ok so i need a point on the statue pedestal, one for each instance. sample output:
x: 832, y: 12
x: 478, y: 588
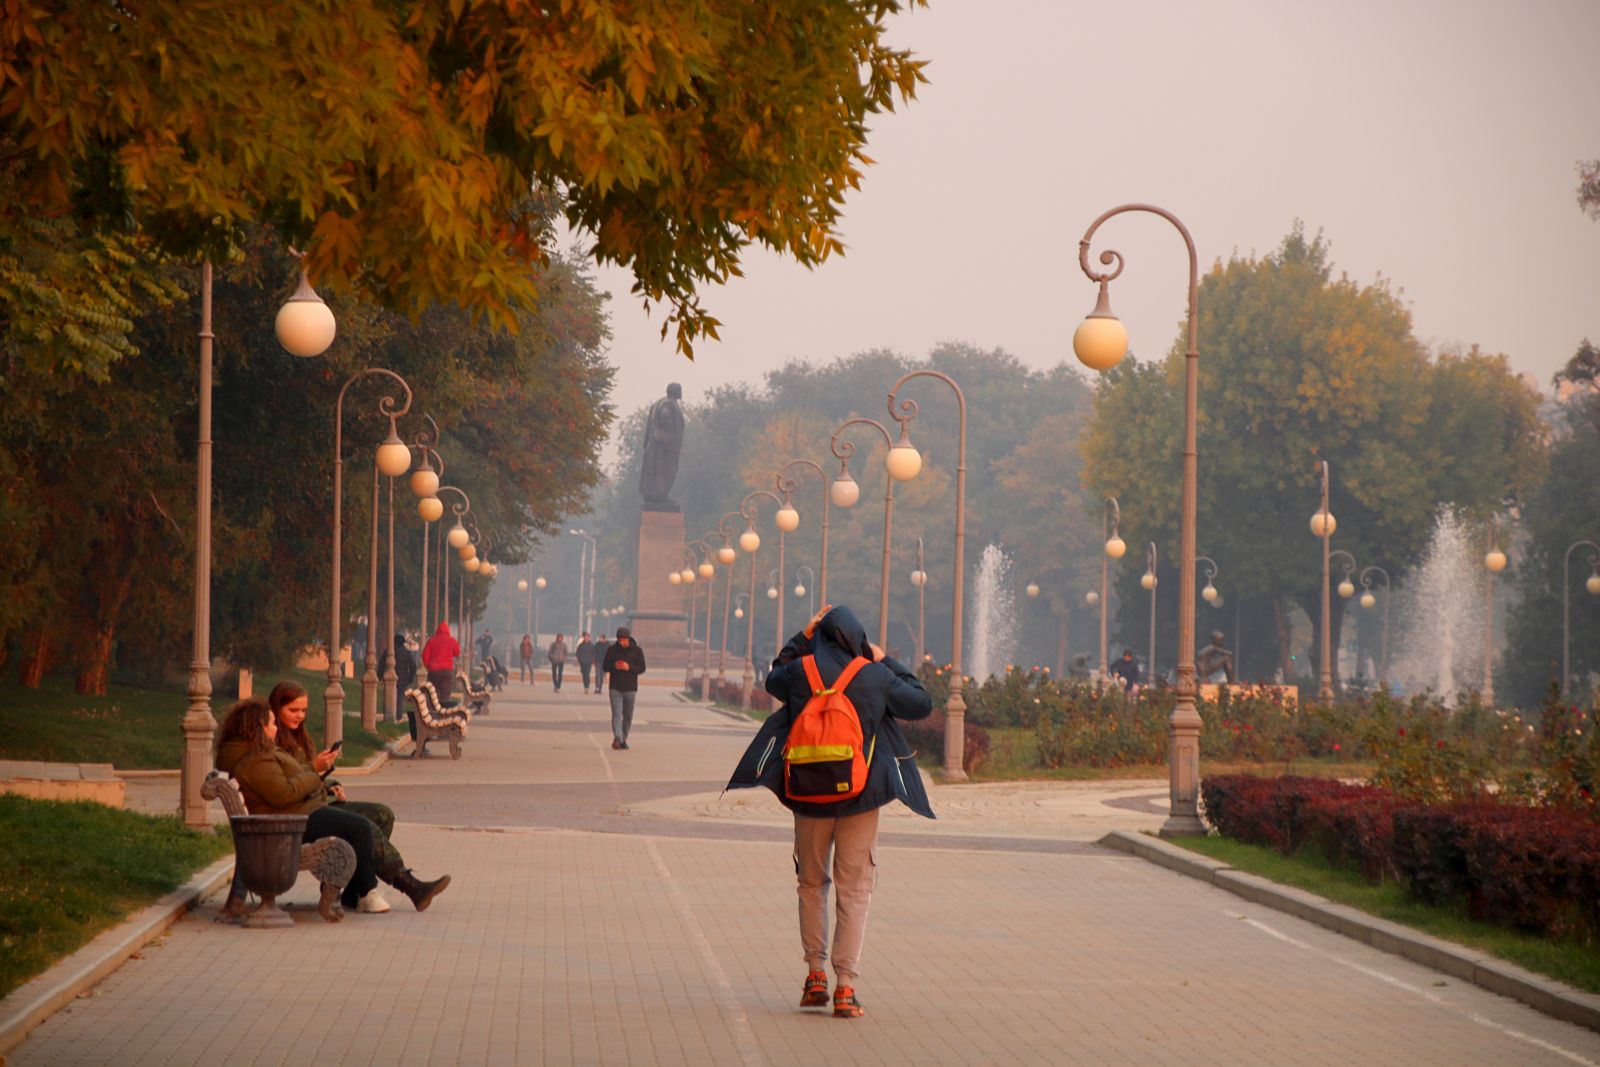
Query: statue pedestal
x: 660, y: 618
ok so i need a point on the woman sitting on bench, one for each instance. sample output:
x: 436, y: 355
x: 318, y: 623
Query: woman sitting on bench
x: 281, y: 783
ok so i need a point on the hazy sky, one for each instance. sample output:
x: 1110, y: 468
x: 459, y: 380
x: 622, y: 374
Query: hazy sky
x: 1432, y: 141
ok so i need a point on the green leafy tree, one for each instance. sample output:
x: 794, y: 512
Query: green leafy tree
x: 1298, y: 366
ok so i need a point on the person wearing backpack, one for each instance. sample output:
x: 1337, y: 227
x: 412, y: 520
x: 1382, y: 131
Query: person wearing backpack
x: 834, y: 755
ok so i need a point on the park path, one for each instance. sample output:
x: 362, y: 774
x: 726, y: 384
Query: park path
x: 609, y: 908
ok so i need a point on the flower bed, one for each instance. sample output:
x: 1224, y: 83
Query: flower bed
x: 1535, y: 869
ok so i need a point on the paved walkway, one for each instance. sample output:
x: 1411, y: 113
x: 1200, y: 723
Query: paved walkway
x: 609, y: 908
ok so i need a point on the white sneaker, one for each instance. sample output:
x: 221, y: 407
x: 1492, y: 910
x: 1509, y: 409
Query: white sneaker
x: 373, y: 903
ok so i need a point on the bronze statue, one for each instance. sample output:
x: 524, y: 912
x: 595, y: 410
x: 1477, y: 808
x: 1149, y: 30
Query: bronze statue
x: 1214, y: 660
x: 663, y: 442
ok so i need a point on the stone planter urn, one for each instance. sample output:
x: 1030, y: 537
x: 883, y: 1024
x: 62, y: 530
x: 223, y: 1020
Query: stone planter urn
x: 267, y: 851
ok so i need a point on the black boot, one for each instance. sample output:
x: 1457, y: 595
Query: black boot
x: 420, y: 892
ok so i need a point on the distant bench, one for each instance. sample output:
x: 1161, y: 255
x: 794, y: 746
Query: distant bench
x: 432, y: 721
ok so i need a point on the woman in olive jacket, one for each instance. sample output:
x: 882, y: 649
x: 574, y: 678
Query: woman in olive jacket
x: 882, y: 691
x: 274, y: 783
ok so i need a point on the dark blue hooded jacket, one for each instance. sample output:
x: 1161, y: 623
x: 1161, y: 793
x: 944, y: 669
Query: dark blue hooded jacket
x: 881, y: 692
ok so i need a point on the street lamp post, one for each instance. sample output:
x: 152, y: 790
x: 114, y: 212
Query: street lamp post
x: 1149, y: 581
x: 845, y: 492
x: 369, y: 677
x: 1100, y: 343
x: 1368, y: 600
x: 586, y: 598
x: 1592, y: 584
x: 393, y: 459
x: 786, y: 519
x: 1494, y: 561
x: 688, y: 576
x: 726, y: 556
x: 1346, y: 589
x: 708, y: 571
x: 789, y: 485
x: 1111, y: 519
x: 750, y: 542
x: 801, y: 589
x: 1322, y: 526
x: 904, y: 462
x: 919, y: 578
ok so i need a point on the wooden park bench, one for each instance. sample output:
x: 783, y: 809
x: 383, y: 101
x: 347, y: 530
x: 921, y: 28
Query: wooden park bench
x: 330, y: 859
x: 431, y: 721
x: 474, y: 697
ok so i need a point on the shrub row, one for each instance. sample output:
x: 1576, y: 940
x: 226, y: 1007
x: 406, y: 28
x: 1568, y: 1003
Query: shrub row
x: 926, y: 737
x: 1535, y: 869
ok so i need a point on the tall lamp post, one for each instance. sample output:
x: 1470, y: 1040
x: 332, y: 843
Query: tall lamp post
x: 1494, y: 561
x: 1592, y: 584
x: 305, y: 327
x: 1149, y: 581
x: 750, y: 542
x: 707, y: 570
x: 424, y: 485
x: 1346, y: 587
x: 726, y: 555
x: 586, y: 598
x: 904, y: 462
x: 789, y: 485
x: 687, y: 576
x: 845, y: 491
x: 1111, y: 519
x: 787, y: 520
x: 393, y: 459
x: 1100, y: 343
x: 919, y: 579
x: 801, y: 589
x: 1369, y: 600
x: 459, y: 539
x: 1322, y: 526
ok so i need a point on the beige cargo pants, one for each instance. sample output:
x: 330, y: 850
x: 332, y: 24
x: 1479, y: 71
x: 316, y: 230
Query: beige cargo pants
x: 853, y: 842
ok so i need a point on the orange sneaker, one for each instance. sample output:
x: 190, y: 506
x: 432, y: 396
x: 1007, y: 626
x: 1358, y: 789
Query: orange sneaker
x: 845, y: 1004
x: 816, y: 991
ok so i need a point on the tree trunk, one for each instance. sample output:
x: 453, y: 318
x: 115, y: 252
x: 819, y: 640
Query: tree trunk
x: 36, y: 652
x: 1280, y: 625
x: 94, y: 670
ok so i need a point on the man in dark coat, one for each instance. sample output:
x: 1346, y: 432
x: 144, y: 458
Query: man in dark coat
x: 585, y: 654
x: 882, y: 691
x: 623, y: 663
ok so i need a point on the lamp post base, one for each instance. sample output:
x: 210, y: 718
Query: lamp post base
x: 1184, y: 768
x: 1183, y: 825
x: 746, y: 684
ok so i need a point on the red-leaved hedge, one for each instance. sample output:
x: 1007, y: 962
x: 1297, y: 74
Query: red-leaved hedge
x: 1533, y: 869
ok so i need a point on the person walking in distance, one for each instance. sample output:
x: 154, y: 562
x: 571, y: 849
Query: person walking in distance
x: 439, y: 659
x: 623, y: 663
x: 834, y: 755
x: 601, y: 645
x: 526, y: 651
x: 585, y: 654
x: 558, y: 660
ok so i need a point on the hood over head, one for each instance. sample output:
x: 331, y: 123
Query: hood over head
x: 444, y: 628
x: 841, y: 629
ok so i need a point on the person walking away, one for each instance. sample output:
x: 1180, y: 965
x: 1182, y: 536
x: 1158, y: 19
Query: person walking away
x: 585, y: 654
x: 798, y: 754
x: 405, y: 665
x: 558, y: 660
x: 439, y: 659
x: 485, y: 643
x: 1127, y: 670
x: 623, y: 663
x: 526, y: 650
x: 600, y: 648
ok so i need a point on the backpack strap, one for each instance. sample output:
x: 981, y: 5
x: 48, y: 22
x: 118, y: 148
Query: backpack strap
x: 847, y: 675
x: 813, y: 678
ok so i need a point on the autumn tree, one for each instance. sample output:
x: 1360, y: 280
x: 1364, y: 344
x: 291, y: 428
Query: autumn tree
x: 404, y: 145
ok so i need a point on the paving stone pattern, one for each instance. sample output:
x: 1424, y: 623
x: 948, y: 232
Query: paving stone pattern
x: 608, y: 909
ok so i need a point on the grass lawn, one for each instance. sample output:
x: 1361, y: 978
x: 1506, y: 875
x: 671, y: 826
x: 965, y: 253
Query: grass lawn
x: 1575, y: 964
x: 1014, y: 756
x: 55, y: 899
x: 137, y: 727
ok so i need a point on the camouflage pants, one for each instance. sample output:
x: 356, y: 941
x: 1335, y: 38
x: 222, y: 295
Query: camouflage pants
x: 390, y: 864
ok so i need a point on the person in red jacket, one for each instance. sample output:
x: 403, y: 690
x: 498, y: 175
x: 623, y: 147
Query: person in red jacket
x: 439, y: 657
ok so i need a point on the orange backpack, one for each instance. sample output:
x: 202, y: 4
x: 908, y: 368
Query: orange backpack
x: 823, y: 762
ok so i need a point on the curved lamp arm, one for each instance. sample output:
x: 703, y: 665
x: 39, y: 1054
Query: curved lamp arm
x: 1366, y: 577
